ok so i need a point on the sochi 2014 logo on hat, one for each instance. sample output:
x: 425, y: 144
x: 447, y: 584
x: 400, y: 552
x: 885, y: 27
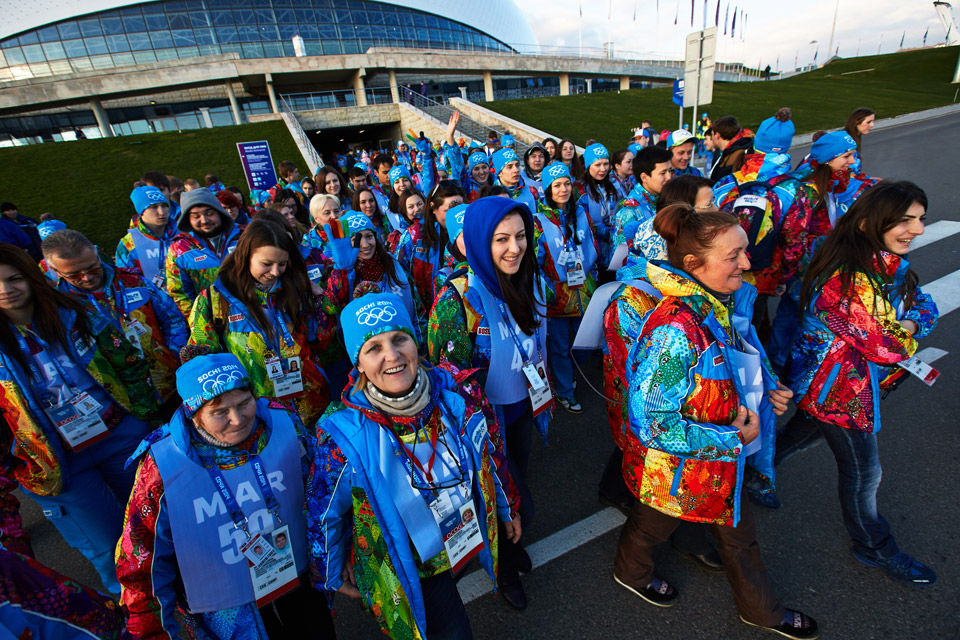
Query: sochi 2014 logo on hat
x: 226, y: 375
x: 155, y: 194
x: 459, y: 216
x: 356, y: 222
x: 556, y: 170
x: 373, y: 315
x: 396, y: 173
x: 509, y: 155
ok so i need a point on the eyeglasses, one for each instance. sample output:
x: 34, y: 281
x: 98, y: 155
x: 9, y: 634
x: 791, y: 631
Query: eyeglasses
x: 80, y: 275
x: 445, y: 185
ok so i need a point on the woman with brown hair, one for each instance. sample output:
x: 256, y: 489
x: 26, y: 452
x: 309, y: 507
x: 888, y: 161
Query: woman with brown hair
x: 262, y: 309
x: 330, y: 181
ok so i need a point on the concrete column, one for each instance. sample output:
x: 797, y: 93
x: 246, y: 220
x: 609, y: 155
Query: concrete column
x: 564, y: 84
x: 205, y: 117
x: 463, y: 92
x: 234, y: 105
x: 394, y: 91
x: 359, y: 88
x: 488, y: 86
x: 589, y: 85
x: 102, y: 120
x: 624, y: 83
x: 272, y: 94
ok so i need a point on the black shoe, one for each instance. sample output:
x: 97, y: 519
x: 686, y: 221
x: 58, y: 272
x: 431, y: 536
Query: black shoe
x: 522, y: 559
x: 709, y: 561
x: 665, y: 596
x: 800, y: 626
x: 622, y: 504
x: 514, y: 595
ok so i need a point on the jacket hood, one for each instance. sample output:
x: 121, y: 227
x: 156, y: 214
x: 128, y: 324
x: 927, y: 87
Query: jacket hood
x: 190, y: 199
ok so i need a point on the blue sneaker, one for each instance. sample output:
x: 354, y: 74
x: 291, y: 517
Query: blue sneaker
x: 901, y: 567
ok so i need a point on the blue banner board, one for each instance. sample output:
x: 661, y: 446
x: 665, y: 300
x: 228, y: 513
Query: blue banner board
x: 257, y: 164
x: 678, y: 92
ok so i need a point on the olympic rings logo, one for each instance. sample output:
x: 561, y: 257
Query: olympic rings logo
x: 459, y: 217
x: 154, y: 194
x: 356, y: 222
x: 376, y: 315
x: 556, y: 171
x: 509, y: 155
x: 478, y: 158
x: 221, y: 381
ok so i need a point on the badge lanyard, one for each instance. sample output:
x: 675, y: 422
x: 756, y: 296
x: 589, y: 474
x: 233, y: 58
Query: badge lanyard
x: 36, y: 379
x: 279, y: 325
x: 212, y: 248
x: 236, y: 513
x: 505, y: 316
x: 413, y: 465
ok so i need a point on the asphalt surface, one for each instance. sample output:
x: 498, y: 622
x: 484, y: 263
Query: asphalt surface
x: 804, y: 543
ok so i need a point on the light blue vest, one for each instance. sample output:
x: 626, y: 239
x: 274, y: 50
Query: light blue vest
x: 152, y: 254
x: 556, y: 243
x: 207, y: 544
x: 506, y: 383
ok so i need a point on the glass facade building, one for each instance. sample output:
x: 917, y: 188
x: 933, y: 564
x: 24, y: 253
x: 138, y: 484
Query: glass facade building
x: 183, y: 29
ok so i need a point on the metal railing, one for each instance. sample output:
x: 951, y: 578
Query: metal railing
x: 300, y: 136
x: 336, y: 99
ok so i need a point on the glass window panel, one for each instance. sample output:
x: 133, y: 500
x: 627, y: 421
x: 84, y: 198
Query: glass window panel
x: 211, y: 50
x: 420, y: 20
x: 179, y: 20
x: 69, y: 30
x: 265, y: 16
x: 15, y: 56
x: 117, y: 44
x: 96, y: 46
x: 155, y: 22
x: 199, y: 19
x: 329, y: 32
x: 391, y: 18
x: 435, y: 35
x: 188, y: 52
x: 331, y: 47
x: 74, y: 48
x: 9, y: 43
x: 101, y: 62
x: 375, y: 16
x: 90, y: 27
x: 351, y: 46
x: 194, y: 5
x: 226, y: 34
x: 244, y: 17
x: 325, y: 16
x: 360, y: 17
x: 143, y: 57
x: 33, y: 53
x: 123, y: 59
x: 139, y: 41
x: 230, y: 48
x: 247, y: 34
x: 448, y: 36
x: 285, y: 15
x: 40, y: 70
x: 48, y: 34
x: 432, y: 22
x: 111, y: 25
x: 204, y: 36
x: 130, y: 11
x: 273, y: 49
x: 175, y: 5
x: 304, y: 15
x: 252, y: 50
x: 261, y: 3
x: 287, y: 31
x: 268, y: 32
x: 161, y: 39
x: 406, y: 18
x: 222, y: 18
x: 81, y: 64
x: 133, y: 24
x: 363, y: 31
x: 59, y: 67
x: 183, y: 38
x: 166, y: 54
x: 379, y: 32
x: 29, y: 38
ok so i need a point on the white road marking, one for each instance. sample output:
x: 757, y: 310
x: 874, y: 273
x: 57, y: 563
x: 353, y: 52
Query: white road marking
x: 553, y: 546
x: 936, y: 231
x: 945, y: 292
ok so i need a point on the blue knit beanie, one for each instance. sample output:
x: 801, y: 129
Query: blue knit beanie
x: 593, y: 153
x: 477, y: 157
x: 398, y: 171
x: 553, y: 171
x: 507, y: 140
x: 832, y: 145
x: 775, y: 135
x: 454, y: 222
x: 370, y: 315
x: 479, y: 222
x: 144, y: 197
x: 48, y: 227
x: 501, y: 157
x: 634, y: 148
x: 207, y: 376
x: 357, y: 221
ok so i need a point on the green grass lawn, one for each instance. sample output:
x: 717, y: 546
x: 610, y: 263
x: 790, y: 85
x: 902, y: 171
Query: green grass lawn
x: 891, y: 85
x: 87, y: 183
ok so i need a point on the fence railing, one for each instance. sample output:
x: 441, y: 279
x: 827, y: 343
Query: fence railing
x: 300, y: 136
x: 336, y: 99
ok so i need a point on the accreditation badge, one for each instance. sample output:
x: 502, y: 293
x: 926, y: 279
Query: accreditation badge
x: 538, y: 389
x: 460, y: 528
x: 273, y: 570
x: 290, y: 382
x: 78, y: 421
x: 917, y: 367
x: 576, y: 275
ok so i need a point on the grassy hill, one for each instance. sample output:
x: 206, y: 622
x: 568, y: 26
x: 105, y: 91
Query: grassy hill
x: 890, y: 84
x: 87, y: 183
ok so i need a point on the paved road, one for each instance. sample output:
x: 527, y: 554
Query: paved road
x: 804, y: 543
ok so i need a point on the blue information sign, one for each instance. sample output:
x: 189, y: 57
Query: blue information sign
x: 257, y: 164
x: 678, y: 92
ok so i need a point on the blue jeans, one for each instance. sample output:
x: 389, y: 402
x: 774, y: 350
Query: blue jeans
x: 89, y: 511
x: 858, y: 475
x: 560, y: 335
x: 446, y: 616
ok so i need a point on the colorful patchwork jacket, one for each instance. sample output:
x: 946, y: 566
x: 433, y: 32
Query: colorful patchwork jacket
x: 422, y: 264
x: 129, y: 254
x: 146, y: 558
x: 38, y: 455
x: 849, y: 346
x: 352, y: 516
x: 220, y: 321
x: 638, y: 206
x: 563, y: 301
x: 147, y: 315
x: 193, y: 264
x: 684, y: 392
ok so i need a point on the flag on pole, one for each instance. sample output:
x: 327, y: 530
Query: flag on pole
x: 726, y: 19
x: 925, y: 34
x: 902, y: 38
x: 716, y: 19
x: 733, y: 26
x: 778, y: 61
x: 741, y: 24
x: 816, y: 53
x: 692, y: 5
x: 705, y: 13
x: 676, y: 16
x: 837, y: 52
x: 581, y: 8
x: 609, y: 9
x: 743, y: 27
x: 796, y: 59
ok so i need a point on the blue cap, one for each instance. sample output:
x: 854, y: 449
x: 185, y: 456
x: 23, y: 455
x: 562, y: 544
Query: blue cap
x: 679, y: 137
x: 553, y: 171
x: 144, y: 197
x: 477, y: 157
x: 593, y: 153
x: 634, y: 148
x: 207, y: 376
x: 48, y: 227
x: 370, y: 315
x: 501, y: 157
x: 454, y: 222
x: 398, y: 171
x: 832, y: 145
x: 506, y: 140
x: 358, y: 221
x: 774, y: 136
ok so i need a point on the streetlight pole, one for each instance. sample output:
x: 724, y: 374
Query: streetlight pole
x: 833, y: 29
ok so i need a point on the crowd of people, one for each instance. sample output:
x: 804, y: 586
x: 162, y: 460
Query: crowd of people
x: 332, y: 387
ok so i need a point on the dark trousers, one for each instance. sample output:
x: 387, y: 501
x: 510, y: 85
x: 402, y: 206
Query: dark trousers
x: 302, y: 613
x: 690, y: 537
x: 646, y: 528
x: 858, y: 478
x: 446, y: 616
x: 519, y: 441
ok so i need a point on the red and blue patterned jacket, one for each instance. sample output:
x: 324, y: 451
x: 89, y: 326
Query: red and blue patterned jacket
x: 849, y: 346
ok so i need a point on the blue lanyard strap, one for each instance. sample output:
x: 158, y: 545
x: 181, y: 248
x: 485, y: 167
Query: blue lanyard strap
x: 36, y: 379
x: 407, y: 457
x: 505, y: 316
x: 236, y: 513
x: 279, y: 325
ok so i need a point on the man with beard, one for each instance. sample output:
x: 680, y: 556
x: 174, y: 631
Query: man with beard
x: 207, y: 235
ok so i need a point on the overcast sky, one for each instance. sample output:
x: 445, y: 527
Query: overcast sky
x: 773, y: 27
